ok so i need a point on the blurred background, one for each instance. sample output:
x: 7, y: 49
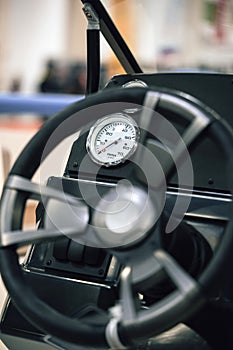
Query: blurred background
x: 43, y: 43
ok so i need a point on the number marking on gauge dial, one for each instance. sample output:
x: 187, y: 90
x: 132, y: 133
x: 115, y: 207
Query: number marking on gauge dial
x: 109, y: 145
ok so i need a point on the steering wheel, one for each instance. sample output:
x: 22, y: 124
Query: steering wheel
x: 142, y: 257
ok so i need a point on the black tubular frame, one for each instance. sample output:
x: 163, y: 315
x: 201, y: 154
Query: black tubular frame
x: 93, y: 61
x: 113, y: 38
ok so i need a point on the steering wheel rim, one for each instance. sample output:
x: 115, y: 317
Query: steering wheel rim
x: 114, y: 332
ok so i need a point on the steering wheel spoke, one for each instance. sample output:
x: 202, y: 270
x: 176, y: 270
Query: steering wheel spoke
x: 195, y: 129
x: 17, y: 191
x: 179, y: 277
x: 126, y: 295
x: 21, y: 237
x: 37, y: 191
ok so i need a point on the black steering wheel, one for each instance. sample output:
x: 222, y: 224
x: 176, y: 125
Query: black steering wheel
x: 142, y: 256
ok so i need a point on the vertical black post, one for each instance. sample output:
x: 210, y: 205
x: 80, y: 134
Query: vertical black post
x: 93, y: 61
x: 93, y: 49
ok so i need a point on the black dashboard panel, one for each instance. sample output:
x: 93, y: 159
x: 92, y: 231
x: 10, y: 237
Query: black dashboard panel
x: 215, y: 91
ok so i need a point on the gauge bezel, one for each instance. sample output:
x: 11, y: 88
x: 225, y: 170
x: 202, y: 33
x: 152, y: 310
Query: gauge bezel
x: 98, y: 126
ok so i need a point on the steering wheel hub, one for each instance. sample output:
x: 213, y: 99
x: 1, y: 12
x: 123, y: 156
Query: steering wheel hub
x: 124, y: 216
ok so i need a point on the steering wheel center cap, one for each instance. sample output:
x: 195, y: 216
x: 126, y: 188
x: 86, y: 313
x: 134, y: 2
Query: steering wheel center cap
x: 123, y: 216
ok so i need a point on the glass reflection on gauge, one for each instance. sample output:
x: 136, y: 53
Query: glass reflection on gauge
x: 112, y: 139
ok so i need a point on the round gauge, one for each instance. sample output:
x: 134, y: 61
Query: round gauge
x: 112, y: 139
x: 135, y: 83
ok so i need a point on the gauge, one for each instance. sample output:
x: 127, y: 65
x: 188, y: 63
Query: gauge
x: 135, y: 83
x: 112, y: 139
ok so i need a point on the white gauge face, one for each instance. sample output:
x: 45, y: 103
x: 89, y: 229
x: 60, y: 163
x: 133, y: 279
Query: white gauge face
x: 112, y: 139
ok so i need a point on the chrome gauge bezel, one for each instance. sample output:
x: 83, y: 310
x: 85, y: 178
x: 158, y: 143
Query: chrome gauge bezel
x: 102, y: 123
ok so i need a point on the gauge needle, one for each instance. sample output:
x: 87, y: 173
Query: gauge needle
x: 112, y: 143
